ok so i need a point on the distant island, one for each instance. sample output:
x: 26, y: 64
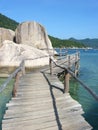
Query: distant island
x: 56, y: 42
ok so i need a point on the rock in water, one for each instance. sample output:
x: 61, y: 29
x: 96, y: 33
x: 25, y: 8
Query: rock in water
x: 6, y: 34
x: 33, y: 34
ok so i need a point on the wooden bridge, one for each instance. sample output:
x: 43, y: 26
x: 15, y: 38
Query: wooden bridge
x: 42, y: 102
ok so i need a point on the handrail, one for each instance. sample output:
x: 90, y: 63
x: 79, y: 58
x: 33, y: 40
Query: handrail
x: 20, y: 68
x: 3, y: 86
x: 54, y: 50
x: 73, y: 75
x: 36, y: 58
x: 68, y: 58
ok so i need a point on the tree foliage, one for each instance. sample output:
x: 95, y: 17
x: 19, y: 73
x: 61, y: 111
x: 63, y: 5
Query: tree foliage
x: 90, y: 42
x: 56, y: 42
x: 8, y: 23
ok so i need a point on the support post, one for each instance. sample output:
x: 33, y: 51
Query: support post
x: 66, y: 82
x: 51, y: 65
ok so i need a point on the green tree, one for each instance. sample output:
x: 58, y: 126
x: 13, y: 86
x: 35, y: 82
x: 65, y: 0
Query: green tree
x: 56, y: 42
x: 8, y: 23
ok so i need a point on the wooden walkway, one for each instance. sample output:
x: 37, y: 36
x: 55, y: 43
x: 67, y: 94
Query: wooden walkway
x: 40, y: 104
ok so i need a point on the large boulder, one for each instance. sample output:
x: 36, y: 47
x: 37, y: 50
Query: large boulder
x: 33, y: 34
x: 30, y: 41
x: 12, y: 54
x: 6, y: 34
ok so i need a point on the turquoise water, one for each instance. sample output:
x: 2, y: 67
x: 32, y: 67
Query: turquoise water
x: 5, y: 96
x: 89, y: 75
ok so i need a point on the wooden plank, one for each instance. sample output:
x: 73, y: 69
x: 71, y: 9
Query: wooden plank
x: 29, y: 113
x: 32, y: 126
x: 42, y: 105
x: 72, y: 111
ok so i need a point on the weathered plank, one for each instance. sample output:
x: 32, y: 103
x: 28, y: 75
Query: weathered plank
x: 40, y: 104
x: 72, y: 111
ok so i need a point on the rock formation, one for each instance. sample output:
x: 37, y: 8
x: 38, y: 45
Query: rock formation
x: 30, y: 41
x: 6, y: 34
x: 33, y: 34
x: 11, y: 53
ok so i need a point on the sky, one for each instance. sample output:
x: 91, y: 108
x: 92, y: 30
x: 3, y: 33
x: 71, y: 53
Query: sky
x: 61, y: 18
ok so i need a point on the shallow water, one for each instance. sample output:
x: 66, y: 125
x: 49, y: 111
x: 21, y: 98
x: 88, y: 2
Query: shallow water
x: 5, y: 96
x: 89, y: 75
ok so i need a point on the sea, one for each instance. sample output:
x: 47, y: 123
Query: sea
x: 88, y: 73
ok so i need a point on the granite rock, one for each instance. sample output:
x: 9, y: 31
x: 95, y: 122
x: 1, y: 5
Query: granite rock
x: 12, y: 54
x: 33, y: 34
x: 6, y: 34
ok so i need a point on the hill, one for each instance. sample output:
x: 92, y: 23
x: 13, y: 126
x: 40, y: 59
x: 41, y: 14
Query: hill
x: 87, y: 42
x: 56, y: 42
x: 90, y: 42
x: 7, y: 22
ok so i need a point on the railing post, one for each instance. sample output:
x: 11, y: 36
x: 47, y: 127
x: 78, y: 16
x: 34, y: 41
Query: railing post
x: 78, y: 55
x: 51, y: 65
x: 76, y: 64
x: 23, y: 68
x: 68, y: 61
x: 16, y: 84
x: 66, y: 82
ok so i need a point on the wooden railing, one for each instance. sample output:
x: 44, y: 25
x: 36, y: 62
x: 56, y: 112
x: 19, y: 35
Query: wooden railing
x: 16, y: 74
x: 61, y: 52
x: 21, y: 71
x: 68, y: 72
x: 68, y: 61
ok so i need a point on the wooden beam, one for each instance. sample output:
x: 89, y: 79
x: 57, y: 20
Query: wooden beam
x: 66, y: 82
